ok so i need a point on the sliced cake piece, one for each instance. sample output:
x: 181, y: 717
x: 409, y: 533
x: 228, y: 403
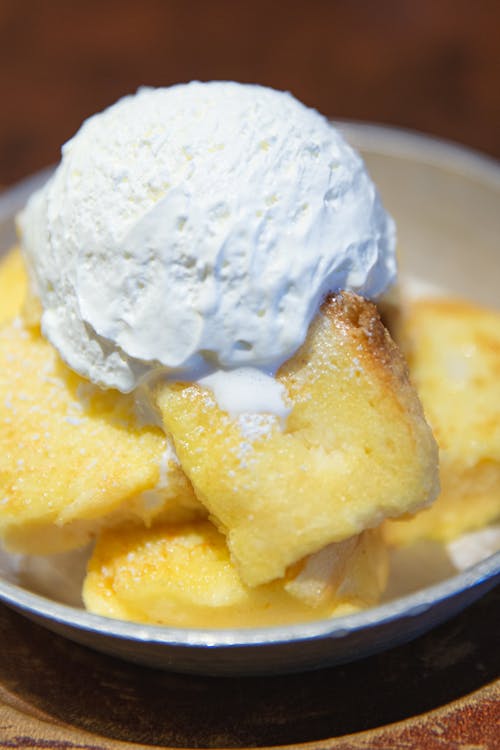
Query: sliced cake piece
x: 72, y: 457
x: 355, y: 449
x: 181, y: 575
x: 13, y: 285
x: 453, y: 350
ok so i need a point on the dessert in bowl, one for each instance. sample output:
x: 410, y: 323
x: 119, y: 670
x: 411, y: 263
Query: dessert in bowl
x: 259, y: 470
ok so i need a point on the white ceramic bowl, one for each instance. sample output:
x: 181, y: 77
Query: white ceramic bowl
x: 446, y: 203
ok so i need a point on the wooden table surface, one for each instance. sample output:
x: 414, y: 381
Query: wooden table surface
x: 430, y: 66
x: 439, y: 692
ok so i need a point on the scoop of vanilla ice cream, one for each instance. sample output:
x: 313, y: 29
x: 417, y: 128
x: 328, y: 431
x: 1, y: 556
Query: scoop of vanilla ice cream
x: 200, y: 226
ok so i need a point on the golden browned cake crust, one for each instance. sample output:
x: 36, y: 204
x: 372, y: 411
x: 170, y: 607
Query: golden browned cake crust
x: 359, y: 320
x: 355, y: 448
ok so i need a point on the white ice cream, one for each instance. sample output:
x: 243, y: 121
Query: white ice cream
x: 199, y: 227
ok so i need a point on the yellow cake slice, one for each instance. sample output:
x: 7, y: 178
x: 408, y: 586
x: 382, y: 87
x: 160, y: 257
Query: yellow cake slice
x: 355, y: 449
x: 453, y: 350
x: 72, y: 457
x: 181, y: 575
x: 13, y: 285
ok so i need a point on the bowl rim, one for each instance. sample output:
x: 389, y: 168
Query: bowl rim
x: 410, y: 605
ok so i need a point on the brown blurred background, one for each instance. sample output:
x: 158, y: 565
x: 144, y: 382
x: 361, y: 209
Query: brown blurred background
x: 421, y: 64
